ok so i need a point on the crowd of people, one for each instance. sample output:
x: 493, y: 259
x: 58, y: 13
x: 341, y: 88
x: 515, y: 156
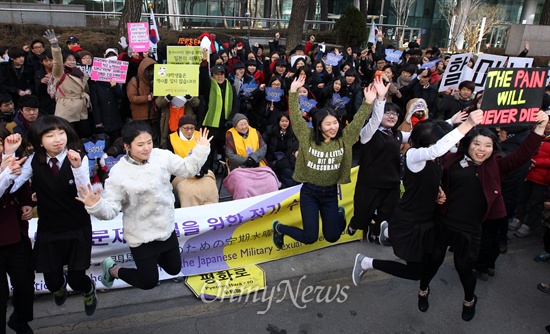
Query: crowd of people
x: 275, y: 117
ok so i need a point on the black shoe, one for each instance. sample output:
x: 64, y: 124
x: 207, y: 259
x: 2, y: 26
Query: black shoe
x: 278, y: 237
x: 19, y: 327
x: 351, y: 230
x: 90, y: 300
x: 423, y: 304
x: 491, y: 272
x: 60, y: 296
x: 468, y: 312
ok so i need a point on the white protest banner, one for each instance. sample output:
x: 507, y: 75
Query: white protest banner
x: 138, y: 36
x: 453, y: 72
x: 483, y: 64
x: 519, y: 62
x: 218, y: 236
x: 105, y: 69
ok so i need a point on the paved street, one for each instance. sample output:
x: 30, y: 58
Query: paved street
x: 508, y: 302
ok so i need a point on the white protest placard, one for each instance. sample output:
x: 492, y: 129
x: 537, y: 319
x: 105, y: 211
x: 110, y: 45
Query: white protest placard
x: 453, y: 73
x: 483, y: 64
x: 138, y: 36
x: 519, y: 62
x: 106, y: 69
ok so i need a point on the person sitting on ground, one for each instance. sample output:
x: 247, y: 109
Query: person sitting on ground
x: 200, y: 189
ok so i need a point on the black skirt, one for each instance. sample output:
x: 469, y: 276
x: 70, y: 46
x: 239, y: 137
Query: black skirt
x: 411, y: 240
x: 54, y: 250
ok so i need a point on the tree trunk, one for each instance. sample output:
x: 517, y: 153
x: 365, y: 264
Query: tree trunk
x: 545, y: 14
x: 222, y: 11
x: 279, y: 17
x: 363, y: 8
x: 311, y: 12
x: 296, y: 23
x: 324, y: 14
x: 130, y: 13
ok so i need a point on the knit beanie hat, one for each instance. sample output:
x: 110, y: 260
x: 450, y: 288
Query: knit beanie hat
x: 186, y: 119
x: 83, y: 53
x: 251, y: 62
x: 237, y: 118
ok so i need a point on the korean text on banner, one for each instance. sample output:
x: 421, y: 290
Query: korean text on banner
x: 453, y: 75
x: 104, y: 69
x: 176, y: 80
x: 184, y: 55
x: 483, y: 64
x: 138, y: 36
x: 512, y: 96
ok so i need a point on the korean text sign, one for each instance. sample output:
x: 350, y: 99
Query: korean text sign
x: 176, y: 80
x: 138, y: 36
x: 104, y: 69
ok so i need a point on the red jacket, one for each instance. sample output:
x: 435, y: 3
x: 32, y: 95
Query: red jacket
x: 492, y: 172
x: 540, y: 168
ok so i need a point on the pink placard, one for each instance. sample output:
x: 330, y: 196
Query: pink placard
x: 106, y: 69
x: 138, y: 36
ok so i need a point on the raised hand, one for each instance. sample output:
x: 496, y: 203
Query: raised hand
x: 297, y: 83
x: 122, y: 42
x: 542, y: 121
x: 203, y: 139
x: 87, y: 196
x: 381, y: 88
x: 74, y: 158
x: 459, y: 117
x: 476, y: 117
x: 370, y: 93
x: 12, y: 143
x: 50, y: 36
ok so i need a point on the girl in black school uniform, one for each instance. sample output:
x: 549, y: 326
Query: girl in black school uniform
x: 412, y: 229
x: 15, y: 245
x: 64, y: 232
x: 472, y: 179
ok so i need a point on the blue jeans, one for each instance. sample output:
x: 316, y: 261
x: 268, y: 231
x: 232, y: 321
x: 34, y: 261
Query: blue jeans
x: 315, y: 199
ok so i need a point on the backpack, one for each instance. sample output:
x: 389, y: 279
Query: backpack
x: 53, y: 87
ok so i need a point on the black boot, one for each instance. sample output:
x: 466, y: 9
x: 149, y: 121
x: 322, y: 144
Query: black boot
x: 468, y: 312
x: 423, y: 304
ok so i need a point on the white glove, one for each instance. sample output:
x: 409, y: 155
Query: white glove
x: 123, y: 42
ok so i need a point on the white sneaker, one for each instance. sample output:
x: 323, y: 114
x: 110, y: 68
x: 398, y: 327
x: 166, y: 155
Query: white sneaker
x: 384, y: 241
x: 523, y: 231
x: 514, y: 224
x: 358, y: 271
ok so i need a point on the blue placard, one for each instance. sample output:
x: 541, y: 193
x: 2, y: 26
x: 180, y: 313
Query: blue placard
x: 306, y: 104
x: 91, y: 165
x: 94, y: 150
x: 430, y: 64
x: 393, y: 56
x: 273, y: 95
x: 333, y: 59
x: 249, y: 88
x: 339, y: 102
x: 111, y: 161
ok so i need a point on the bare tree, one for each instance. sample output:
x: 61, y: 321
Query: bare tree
x: 296, y: 23
x: 130, y: 13
x: 456, y: 15
x: 545, y: 14
x: 364, y: 7
x: 324, y: 14
x: 401, y: 9
x: 311, y: 12
x: 493, y: 16
x: 278, y: 10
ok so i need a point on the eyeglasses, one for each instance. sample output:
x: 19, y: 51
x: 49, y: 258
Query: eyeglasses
x: 190, y: 128
x: 38, y: 47
x: 389, y: 113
